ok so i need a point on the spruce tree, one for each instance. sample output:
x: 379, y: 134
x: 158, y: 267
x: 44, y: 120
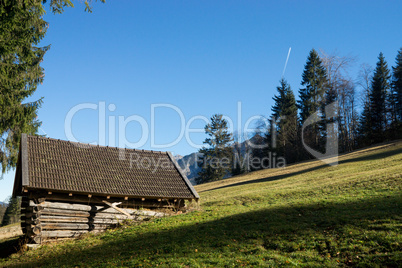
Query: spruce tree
x: 397, y: 86
x: 12, y: 213
x: 365, y: 123
x: 314, y: 80
x: 378, y: 100
x: 285, y: 114
x: 218, y: 155
x: 364, y: 120
x: 3, y: 208
x: 21, y: 29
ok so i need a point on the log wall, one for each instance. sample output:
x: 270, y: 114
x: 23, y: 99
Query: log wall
x: 50, y: 220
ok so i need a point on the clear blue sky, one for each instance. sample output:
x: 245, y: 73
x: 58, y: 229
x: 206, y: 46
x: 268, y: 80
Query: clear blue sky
x: 203, y: 57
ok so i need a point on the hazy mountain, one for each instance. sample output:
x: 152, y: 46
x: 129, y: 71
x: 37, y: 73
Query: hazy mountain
x: 189, y: 165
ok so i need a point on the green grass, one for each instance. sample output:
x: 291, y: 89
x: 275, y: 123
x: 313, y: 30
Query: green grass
x: 308, y: 214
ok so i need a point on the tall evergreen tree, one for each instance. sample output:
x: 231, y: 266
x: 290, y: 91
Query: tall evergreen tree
x: 21, y: 30
x: 397, y: 86
x: 12, y: 213
x: 217, y: 157
x: 3, y: 208
x: 315, y: 81
x: 364, y: 121
x: 285, y: 110
x: 378, y: 99
x: 314, y: 78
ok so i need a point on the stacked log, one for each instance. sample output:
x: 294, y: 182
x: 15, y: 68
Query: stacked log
x: 48, y: 220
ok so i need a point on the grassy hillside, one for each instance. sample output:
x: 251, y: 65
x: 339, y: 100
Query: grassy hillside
x: 307, y: 214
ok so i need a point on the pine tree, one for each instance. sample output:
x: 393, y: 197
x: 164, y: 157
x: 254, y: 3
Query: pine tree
x: 285, y: 110
x: 312, y: 97
x: 21, y: 29
x: 12, y: 214
x: 365, y: 122
x: 378, y: 100
x: 315, y: 81
x: 3, y: 208
x: 397, y: 87
x: 217, y: 157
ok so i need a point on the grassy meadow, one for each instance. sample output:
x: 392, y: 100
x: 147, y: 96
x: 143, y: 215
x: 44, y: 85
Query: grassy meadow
x: 307, y: 215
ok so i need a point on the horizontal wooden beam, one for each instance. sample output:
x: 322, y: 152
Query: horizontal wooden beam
x: 76, y: 220
x: 94, y: 199
x: 73, y: 226
x: 68, y: 233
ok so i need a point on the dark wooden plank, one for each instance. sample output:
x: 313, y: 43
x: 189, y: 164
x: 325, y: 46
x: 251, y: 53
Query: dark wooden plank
x: 24, y: 160
x: 65, y: 226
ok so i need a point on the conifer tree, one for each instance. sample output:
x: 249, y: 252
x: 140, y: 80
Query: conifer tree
x: 3, y: 208
x: 378, y: 99
x: 365, y: 123
x: 312, y: 97
x: 21, y: 29
x: 397, y: 87
x: 218, y: 155
x: 285, y: 114
x: 12, y: 213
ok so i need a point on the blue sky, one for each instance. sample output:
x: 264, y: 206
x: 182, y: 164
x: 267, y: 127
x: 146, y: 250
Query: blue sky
x: 202, y: 57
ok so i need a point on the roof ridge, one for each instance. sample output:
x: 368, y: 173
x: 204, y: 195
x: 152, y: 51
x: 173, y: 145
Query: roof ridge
x: 96, y: 145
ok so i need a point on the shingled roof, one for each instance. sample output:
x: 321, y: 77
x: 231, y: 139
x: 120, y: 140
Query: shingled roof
x: 64, y: 166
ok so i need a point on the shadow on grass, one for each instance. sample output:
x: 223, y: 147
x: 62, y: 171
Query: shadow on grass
x: 374, y: 156
x: 322, y: 228
x: 267, y: 179
x: 370, y: 156
x: 10, y: 246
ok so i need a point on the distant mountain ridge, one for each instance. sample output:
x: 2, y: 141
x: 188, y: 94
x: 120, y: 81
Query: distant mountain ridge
x: 189, y: 166
x: 189, y: 163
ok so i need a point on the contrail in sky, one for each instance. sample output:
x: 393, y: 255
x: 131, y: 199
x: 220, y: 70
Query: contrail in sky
x: 286, y: 63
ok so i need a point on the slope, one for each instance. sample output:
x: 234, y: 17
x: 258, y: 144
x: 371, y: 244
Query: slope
x: 308, y: 214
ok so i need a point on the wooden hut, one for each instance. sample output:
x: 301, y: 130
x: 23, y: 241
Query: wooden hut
x: 70, y: 188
